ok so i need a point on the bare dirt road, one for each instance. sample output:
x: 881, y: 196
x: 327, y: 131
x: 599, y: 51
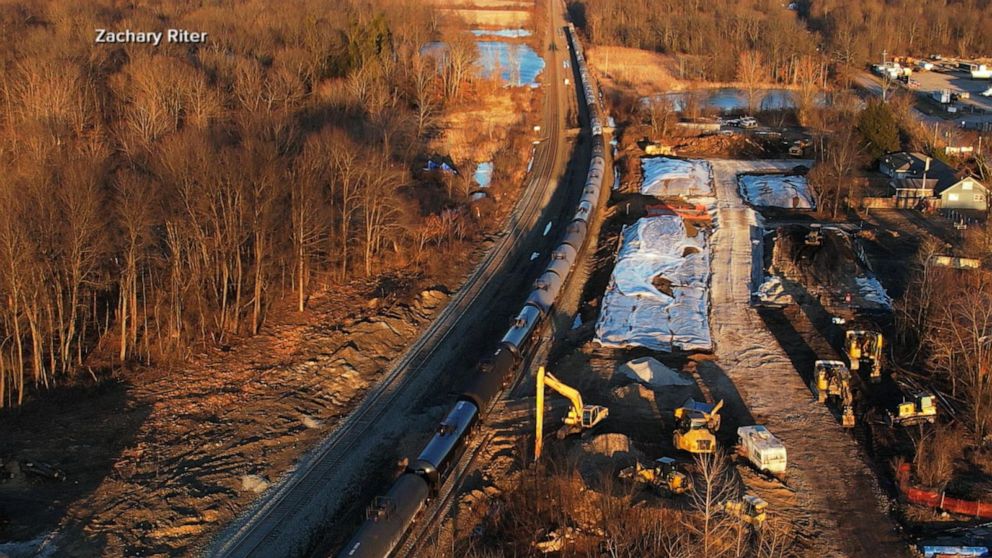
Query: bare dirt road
x: 832, y: 488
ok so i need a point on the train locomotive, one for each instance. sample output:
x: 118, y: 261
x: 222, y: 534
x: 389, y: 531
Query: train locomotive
x: 390, y: 515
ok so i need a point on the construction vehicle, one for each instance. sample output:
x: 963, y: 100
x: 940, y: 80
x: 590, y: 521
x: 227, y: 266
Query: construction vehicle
x: 663, y: 477
x: 864, y: 350
x: 695, y: 423
x: 815, y: 236
x: 832, y: 380
x: 919, y: 408
x: 580, y: 417
x: 749, y: 509
x: 766, y: 452
x: 658, y: 149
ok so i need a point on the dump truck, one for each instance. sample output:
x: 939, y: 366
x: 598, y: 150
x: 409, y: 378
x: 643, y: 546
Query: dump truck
x: 832, y: 381
x: 863, y: 349
x: 695, y: 424
x: 749, y: 509
x: 918, y: 408
x: 663, y: 477
x: 763, y: 450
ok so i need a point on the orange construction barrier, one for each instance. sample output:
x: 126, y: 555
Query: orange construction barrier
x: 933, y: 499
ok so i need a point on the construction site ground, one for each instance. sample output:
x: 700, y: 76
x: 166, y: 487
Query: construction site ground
x: 831, y: 497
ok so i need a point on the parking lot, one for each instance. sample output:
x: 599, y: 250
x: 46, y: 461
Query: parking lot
x: 956, y: 81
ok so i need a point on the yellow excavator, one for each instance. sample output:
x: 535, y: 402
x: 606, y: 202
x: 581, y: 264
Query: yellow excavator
x: 664, y: 476
x: 832, y: 380
x: 695, y: 423
x: 580, y: 417
x: 864, y: 349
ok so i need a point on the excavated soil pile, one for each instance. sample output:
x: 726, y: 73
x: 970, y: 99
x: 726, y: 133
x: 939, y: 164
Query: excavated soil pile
x: 829, y: 271
x: 601, y: 457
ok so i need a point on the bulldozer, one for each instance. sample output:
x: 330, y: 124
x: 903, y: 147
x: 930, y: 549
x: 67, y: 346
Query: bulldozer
x: 832, y: 380
x: 864, y: 350
x: 919, y: 408
x: 749, y: 509
x: 580, y: 417
x: 663, y: 477
x: 695, y: 423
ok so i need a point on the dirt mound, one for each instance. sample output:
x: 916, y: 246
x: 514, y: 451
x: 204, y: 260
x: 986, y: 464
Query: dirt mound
x: 735, y: 146
x: 601, y: 457
x: 652, y: 373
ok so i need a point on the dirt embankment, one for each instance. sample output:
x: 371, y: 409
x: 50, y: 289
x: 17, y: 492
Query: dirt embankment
x: 197, y: 445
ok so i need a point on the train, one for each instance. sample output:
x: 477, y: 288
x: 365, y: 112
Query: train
x: 390, y: 515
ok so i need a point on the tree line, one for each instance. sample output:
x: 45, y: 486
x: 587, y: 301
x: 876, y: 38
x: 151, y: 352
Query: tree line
x: 153, y: 199
x: 709, y: 38
x: 856, y: 32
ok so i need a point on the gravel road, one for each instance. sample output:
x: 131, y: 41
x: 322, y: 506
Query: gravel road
x: 830, y: 483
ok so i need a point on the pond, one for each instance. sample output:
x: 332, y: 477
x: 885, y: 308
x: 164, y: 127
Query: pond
x: 502, y: 33
x: 514, y: 64
x: 729, y: 99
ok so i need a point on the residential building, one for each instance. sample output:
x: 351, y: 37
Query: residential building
x: 918, y: 179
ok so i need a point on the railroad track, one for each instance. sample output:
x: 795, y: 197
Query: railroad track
x: 419, y: 533
x: 271, y: 526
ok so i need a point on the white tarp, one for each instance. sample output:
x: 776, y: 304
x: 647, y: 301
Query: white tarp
x: 652, y: 373
x: 664, y: 176
x: 635, y: 312
x: 871, y: 290
x: 777, y: 190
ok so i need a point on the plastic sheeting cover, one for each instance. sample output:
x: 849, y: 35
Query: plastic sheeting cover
x: 654, y: 374
x: 777, y: 190
x: 656, y: 250
x: 664, y: 176
x: 871, y: 290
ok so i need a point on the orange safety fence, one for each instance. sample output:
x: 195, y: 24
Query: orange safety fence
x: 940, y: 500
x: 689, y: 212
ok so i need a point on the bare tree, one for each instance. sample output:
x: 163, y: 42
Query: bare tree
x: 752, y: 73
x: 961, y: 347
x: 660, y: 114
x: 714, y: 486
x: 809, y: 78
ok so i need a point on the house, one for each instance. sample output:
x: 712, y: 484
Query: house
x: 967, y: 193
x: 918, y: 179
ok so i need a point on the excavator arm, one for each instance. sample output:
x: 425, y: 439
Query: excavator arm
x: 575, y: 413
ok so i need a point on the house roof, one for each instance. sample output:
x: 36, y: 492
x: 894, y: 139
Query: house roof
x: 940, y: 176
x: 914, y: 183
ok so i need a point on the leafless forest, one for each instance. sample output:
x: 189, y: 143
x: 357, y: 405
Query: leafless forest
x: 708, y: 37
x: 157, y: 199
